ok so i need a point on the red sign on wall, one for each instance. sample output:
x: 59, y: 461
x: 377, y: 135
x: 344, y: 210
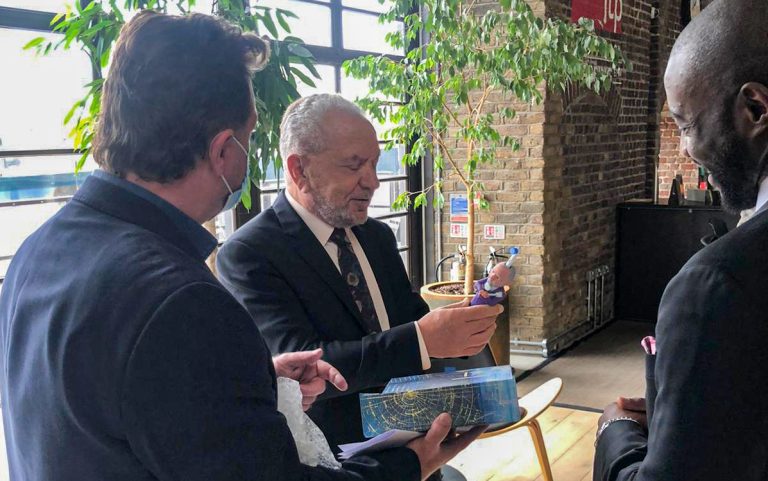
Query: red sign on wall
x: 605, y: 13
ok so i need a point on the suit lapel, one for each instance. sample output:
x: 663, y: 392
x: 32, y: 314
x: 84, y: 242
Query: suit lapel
x: 306, y: 245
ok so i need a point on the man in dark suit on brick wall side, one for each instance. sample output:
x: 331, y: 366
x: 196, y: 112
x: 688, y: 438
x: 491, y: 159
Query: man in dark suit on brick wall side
x: 711, y: 371
x: 121, y: 355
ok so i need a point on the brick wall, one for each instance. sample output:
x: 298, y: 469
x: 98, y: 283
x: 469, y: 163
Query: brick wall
x: 666, y: 154
x: 598, y: 158
x: 671, y: 162
x: 514, y: 187
x: 581, y: 155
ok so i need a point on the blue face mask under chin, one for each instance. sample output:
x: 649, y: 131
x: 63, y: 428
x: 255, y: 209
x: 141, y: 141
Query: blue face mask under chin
x: 234, y: 197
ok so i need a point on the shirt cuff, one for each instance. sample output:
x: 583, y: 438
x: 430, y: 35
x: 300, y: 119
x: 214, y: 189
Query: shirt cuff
x: 425, y: 362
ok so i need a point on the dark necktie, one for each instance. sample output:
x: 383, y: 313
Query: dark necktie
x: 352, y: 274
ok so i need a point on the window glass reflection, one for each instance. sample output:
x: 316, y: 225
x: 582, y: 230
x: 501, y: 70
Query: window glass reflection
x: 38, y: 92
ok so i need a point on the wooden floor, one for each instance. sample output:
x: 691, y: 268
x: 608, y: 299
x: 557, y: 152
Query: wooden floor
x: 568, y: 434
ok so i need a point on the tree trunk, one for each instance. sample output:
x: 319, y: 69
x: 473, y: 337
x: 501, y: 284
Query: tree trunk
x: 469, y: 268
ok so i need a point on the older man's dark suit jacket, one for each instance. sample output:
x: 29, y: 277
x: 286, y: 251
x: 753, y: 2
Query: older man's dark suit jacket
x: 124, y: 359
x: 282, y: 274
x: 709, y: 420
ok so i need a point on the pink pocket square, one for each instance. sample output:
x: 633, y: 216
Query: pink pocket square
x: 649, y: 344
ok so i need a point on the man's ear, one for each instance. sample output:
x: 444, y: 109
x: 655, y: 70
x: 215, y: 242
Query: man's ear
x: 752, y: 109
x: 216, y: 150
x: 295, y: 168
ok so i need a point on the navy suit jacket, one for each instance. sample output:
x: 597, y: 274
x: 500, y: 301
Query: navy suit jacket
x: 281, y: 273
x: 123, y: 358
x: 711, y: 372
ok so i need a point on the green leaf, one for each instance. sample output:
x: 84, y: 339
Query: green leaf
x: 280, y: 15
x: 299, y: 50
x: 71, y: 112
x: 269, y: 24
x: 104, y: 59
x: 57, y: 17
x: 309, y: 64
x: 420, y: 200
x: 302, y: 76
x: 81, y: 161
x: 33, y: 43
x: 245, y: 197
x: 439, y: 200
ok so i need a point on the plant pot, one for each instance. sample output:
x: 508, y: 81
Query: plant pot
x: 499, y: 342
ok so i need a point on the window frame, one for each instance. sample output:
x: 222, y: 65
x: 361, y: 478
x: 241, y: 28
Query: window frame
x: 33, y: 21
x: 334, y: 56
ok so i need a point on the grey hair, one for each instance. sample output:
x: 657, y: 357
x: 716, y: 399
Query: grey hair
x: 301, y: 130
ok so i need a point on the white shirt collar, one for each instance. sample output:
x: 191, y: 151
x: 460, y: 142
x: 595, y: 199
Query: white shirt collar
x: 318, y: 226
x: 762, y: 194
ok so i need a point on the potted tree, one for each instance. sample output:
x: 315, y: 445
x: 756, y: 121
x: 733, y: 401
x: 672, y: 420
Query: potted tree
x: 437, y: 96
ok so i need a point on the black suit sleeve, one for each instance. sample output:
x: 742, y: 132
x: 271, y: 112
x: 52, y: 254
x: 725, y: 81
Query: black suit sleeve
x: 285, y: 324
x: 199, y: 400
x: 707, y: 409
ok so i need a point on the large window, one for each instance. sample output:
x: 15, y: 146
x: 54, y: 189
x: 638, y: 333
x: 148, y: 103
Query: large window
x: 37, y: 162
x: 36, y: 159
x: 341, y: 30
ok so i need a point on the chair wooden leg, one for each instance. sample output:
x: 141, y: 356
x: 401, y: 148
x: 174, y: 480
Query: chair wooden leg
x: 541, y: 449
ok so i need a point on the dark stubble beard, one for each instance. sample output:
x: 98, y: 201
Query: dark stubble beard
x: 735, y: 173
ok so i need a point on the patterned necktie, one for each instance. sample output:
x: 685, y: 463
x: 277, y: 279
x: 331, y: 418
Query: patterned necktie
x: 353, y: 277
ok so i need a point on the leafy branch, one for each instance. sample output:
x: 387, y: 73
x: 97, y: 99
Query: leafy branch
x: 445, y: 85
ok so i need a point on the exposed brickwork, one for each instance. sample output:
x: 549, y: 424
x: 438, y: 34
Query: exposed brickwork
x: 666, y: 153
x: 581, y: 155
x: 671, y: 162
x: 599, y: 161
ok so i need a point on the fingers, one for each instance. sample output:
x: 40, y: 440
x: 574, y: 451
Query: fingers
x: 329, y: 373
x: 302, y: 358
x: 480, y: 312
x: 440, y: 428
x: 307, y: 402
x: 454, y: 446
x: 480, y: 325
x: 313, y: 387
x: 477, y: 341
x: 464, y: 303
x: 483, y: 334
x: 632, y: 404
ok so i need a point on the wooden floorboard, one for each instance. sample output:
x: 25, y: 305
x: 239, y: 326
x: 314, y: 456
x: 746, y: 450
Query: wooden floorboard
x: 568, y: 435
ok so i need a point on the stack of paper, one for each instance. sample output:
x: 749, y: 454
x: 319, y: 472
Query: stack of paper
x: 391, y: 439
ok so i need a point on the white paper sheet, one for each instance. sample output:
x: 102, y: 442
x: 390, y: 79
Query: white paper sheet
x: 390, y: 439
x: 310, y: 442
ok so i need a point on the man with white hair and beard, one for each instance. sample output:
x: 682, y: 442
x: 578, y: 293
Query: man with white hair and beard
x: 711, y: 367
x: 315, y: 272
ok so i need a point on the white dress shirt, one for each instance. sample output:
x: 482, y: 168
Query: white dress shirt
x: 322, y: 232
x: 762, y: 194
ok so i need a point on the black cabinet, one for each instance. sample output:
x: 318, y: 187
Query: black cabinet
x: 653, y: 242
